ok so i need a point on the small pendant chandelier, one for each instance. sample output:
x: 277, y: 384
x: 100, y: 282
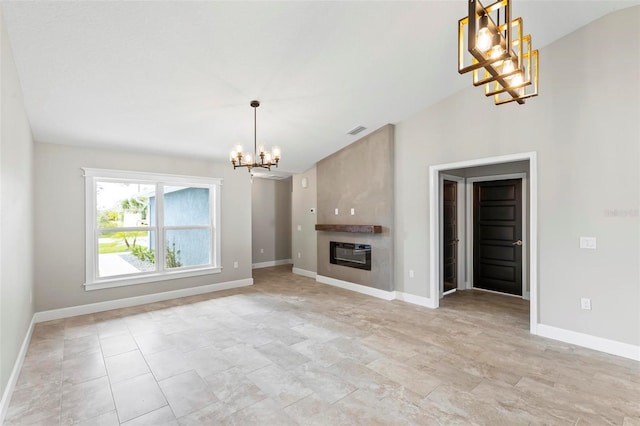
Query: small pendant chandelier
x: 260, y: 158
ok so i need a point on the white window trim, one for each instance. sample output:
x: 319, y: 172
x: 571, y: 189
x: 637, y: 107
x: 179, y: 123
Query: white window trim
x: 92, y: 281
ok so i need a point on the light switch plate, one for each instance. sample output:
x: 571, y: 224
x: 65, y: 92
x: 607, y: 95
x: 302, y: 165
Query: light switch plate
x: 588, y: 243
x: 585, y: 304
x: 336, y: 212
x: 353, y: 211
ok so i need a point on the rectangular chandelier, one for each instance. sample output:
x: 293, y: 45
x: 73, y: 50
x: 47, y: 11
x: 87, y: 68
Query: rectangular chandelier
x: 492, y: 46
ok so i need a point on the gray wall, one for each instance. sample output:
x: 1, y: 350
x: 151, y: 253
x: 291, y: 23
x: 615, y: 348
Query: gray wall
x: 270, y: 220
x: 16, y: 214
x: 359, y: 176
x: 304, y: 236
x: 60, y: 222
x: 585, y: 127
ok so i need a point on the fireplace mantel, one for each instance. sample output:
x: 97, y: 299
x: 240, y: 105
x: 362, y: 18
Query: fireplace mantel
x: 362, y: 229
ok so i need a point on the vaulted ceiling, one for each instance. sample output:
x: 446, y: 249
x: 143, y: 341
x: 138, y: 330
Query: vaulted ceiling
x: 177, y: 77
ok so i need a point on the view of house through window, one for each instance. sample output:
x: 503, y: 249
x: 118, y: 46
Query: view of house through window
x: 144, y: 228
x: 125, y: 237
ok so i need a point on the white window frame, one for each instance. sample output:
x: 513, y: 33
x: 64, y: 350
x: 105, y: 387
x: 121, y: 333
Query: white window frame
x: 92, y: 176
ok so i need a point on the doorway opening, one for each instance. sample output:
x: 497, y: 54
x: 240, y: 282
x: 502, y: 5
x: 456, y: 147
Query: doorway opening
x: 484, y: 227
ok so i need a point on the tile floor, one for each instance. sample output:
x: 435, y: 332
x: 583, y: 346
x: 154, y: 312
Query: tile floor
x: 290, y: 351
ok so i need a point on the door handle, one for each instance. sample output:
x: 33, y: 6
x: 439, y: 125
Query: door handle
x: 517, y: 243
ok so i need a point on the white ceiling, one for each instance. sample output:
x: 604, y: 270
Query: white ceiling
x: 177, y: 77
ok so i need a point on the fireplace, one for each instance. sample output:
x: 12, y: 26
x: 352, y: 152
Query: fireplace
x: 352, y: 255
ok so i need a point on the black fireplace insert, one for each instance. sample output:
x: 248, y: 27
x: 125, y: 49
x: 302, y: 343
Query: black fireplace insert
x: 352, y: 255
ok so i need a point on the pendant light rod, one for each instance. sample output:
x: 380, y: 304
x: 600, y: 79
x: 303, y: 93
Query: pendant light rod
x: 255, y: 105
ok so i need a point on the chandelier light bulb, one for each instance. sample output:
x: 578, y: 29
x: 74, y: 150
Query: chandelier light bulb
x: 267, y: 157
x: 233, y: 156
x: 507, y: 67
x: 484, y: 40
x: 261, y: 149
x: 517, y: 79
x: 239, y: 148
x: 248, y: 159
x: 275, y: 153
x: 496, y: 51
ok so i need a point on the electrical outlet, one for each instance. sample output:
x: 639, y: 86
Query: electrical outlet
x: 261, y: 251
x: 299, y: 255
x: 410, y: 273
x: 235, y: 264
x: 585, y: 304
x: 336, y: 212
x: 353, y: 211
x: 588, y: 243
x: 299, y: 227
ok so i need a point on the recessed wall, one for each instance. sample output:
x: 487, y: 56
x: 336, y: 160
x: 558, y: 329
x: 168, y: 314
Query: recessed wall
x: 270, y: 220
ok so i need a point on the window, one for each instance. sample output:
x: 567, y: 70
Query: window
x: 144, y: 227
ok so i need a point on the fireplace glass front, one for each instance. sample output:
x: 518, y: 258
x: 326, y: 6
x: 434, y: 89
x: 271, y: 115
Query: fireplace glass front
x: 352, y: 255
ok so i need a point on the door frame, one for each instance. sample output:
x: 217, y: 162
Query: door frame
x: 469, y: 213
x: 462, y: 227
x: 434, y: 225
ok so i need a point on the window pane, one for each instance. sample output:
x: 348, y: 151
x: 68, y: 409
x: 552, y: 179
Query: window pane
x: 185, y: 206
x: 123, y: 253
x: 123, y: 204
x: 187, y: 247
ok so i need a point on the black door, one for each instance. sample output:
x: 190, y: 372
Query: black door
x: 450, y: 236
x: 497, y: 236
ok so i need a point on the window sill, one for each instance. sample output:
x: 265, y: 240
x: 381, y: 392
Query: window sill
x: 149, y: 278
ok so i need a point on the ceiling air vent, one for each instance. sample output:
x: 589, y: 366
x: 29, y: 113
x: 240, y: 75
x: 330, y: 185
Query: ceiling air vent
x: 356, y: 130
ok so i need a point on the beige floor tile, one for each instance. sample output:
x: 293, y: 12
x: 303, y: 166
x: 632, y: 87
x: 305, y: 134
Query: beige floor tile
x: 45, y: 352
x: 117, y: 344
x: 186, y: 393
x: 282, y: 355
x: 234, y: 389
x: 35, y: 403
x: 288, y: 350
x: 326, y: 385
x: 107, y: 419
x: 212, y: 414
x: 83, y: 368
x: 207, y: 361
x: 405, y: 375
x: 160, y: 417
x: 152, y: 342
x: 137, y: 396
x: 167, y: 363
x: 81, y: 346
x: 38, y: 374
x: 279, y: 385
x: 86, y: 400
x: 245, y: 357
x: 126, y: 366
x: 315, y: 411
x: 265, y: 412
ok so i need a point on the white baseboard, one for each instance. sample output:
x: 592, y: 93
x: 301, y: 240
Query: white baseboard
x: 415, y: 300
x: 601, y: 344
x: 137, y: 300
x: 370, y: 291
x: 15, y: 373
x: 304, y: 272
x: 271, y: 263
